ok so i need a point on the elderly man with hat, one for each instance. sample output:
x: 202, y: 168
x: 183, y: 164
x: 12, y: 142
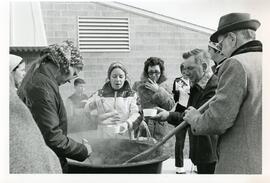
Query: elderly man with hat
x: 58, y: 64
x: 236, y: 111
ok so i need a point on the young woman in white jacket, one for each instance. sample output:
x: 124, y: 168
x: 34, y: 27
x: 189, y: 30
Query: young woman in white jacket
x: 114, y: 106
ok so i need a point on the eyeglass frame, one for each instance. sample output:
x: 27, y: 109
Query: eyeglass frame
x: 215, y: 50
x: 152, y: 73
x: 225, y: 36
x: 220, y: 42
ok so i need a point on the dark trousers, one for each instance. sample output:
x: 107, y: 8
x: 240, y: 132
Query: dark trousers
x: 179, y: 147
x: 206, y: 168
x: 64, y: 164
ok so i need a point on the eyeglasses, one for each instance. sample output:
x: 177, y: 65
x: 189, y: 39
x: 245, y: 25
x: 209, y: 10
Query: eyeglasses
x: 215, y: 50
x: 153, y: 73
x: 219, y: 44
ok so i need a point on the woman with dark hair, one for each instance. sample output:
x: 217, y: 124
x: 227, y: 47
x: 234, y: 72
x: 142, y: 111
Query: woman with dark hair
x: 153, y: 91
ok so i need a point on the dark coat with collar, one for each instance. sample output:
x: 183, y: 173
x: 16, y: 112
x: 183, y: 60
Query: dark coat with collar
x: 202, y: 147
x: 47, y: 107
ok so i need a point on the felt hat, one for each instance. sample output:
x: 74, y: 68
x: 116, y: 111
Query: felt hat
x: 234, y: 21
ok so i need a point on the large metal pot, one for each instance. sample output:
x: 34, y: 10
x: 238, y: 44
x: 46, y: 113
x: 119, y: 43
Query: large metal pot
x: 109, y: 154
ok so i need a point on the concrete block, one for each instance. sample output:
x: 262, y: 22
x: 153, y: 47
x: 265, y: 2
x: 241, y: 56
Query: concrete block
x: 53, y: 13
x: 70, y: 13
x: 60, y: 6
x: 59, y: 34
x: 75, y: 6
x: 47, y: 5
x: 69, y: 27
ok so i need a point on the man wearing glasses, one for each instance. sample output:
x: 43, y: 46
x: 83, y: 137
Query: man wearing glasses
x: 236, y: 112
x: 215, y: 52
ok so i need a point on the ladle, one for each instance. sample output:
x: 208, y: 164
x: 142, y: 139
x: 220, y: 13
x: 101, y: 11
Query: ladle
x: 146, y: 153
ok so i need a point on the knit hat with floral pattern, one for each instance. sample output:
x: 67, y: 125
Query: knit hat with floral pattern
x: 64, y: 55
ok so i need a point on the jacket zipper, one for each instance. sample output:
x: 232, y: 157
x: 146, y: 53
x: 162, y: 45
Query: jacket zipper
x: 114, y: 104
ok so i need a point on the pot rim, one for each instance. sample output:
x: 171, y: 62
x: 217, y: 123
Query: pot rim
x: 159, y: 159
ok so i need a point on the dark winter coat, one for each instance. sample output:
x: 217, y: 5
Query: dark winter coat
x: 27, y: 148
x: 202, y: 147
x: 47, y: 108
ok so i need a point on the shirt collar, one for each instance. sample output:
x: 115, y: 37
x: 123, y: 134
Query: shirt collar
x: 219, y: 65
x: 185, y: 81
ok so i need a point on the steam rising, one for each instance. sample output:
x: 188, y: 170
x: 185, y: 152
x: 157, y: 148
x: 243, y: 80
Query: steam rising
x: 113, y: 151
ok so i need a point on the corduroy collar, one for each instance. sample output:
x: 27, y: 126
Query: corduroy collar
x: 251, y: 46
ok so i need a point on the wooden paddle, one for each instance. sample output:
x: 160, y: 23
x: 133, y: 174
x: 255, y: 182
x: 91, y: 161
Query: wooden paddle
x: 146, y: 153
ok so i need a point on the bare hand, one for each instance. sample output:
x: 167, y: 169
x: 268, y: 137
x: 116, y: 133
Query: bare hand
x: 110, y: 118
x: 151, y: 85
x: 123, y: 128
x: 162, y: 115
x: 191, y: 115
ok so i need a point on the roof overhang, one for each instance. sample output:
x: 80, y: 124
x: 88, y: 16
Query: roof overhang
x: 26, y: 48
x: 159, y: 17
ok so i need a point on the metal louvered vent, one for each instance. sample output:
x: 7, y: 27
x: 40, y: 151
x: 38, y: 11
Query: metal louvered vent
x: 103, y: 34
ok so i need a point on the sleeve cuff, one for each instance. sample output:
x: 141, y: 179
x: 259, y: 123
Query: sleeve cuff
x: 132, y: 118
x: 175, y: 118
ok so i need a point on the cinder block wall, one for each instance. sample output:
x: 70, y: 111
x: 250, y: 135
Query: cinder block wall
x: 148, y: 37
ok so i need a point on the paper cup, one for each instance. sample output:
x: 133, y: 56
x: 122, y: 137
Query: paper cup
x: 149, y: 112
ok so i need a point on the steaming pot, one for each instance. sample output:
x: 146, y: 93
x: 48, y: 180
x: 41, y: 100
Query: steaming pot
x: 109, y: 154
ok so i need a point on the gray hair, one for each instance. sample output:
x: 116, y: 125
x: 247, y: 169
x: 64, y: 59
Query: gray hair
x: 246, y: 34
x: 200, y: 56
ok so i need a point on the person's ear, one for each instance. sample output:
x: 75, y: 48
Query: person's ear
x: 233, y: 38
x: 204, y: 66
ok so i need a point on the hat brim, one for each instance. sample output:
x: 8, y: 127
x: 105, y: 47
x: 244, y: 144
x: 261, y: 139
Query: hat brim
x: 249, y: 24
